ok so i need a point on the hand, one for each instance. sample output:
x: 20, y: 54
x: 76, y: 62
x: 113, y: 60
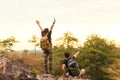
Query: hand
x: 37, y: 22
x: 75, y: 55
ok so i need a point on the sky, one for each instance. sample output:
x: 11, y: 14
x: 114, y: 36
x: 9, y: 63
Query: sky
x: 81, y: 17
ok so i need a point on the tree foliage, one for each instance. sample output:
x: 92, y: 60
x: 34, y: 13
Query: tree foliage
x: 96, y: 56
x: 67, y: 41
x: 7, y: 44
x: 34, y: 40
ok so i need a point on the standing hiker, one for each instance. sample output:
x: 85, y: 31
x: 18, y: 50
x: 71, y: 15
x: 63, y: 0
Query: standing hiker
x: 46, y: 46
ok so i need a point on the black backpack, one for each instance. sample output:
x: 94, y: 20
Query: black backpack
x: 73, y: 67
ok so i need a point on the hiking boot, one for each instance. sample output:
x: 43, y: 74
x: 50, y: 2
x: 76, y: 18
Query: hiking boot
x: 46, y: 72
x: 51, y: 72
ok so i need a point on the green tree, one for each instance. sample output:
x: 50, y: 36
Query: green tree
x: 0, y: 45
x: 96, y: 56
x: 34, y: 40
x: 67, y: 41
x: 8, y: 43
x: 114, y: 69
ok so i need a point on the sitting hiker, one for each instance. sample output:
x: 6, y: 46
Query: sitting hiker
x: 71, y: 67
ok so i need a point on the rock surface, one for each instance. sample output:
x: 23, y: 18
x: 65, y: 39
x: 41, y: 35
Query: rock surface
x: 13, y: 69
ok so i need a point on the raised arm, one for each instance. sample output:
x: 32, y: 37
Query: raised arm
x: 52, y: 25
x: 38, y: 23
x: 75, y: 55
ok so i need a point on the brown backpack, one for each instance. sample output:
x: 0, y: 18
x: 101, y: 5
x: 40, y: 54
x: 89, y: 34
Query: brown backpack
x: 44, y: 43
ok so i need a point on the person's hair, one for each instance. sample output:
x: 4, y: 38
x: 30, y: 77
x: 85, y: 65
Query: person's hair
x: 67, y: 54
x: 46, y: 30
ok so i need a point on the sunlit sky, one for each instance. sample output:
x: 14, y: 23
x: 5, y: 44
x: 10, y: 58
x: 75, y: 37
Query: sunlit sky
x: 81, y: 17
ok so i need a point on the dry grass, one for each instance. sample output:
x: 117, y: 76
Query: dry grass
x: 35, y: 61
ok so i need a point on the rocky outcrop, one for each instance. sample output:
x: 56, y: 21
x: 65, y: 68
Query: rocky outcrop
x: 15, y: 69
